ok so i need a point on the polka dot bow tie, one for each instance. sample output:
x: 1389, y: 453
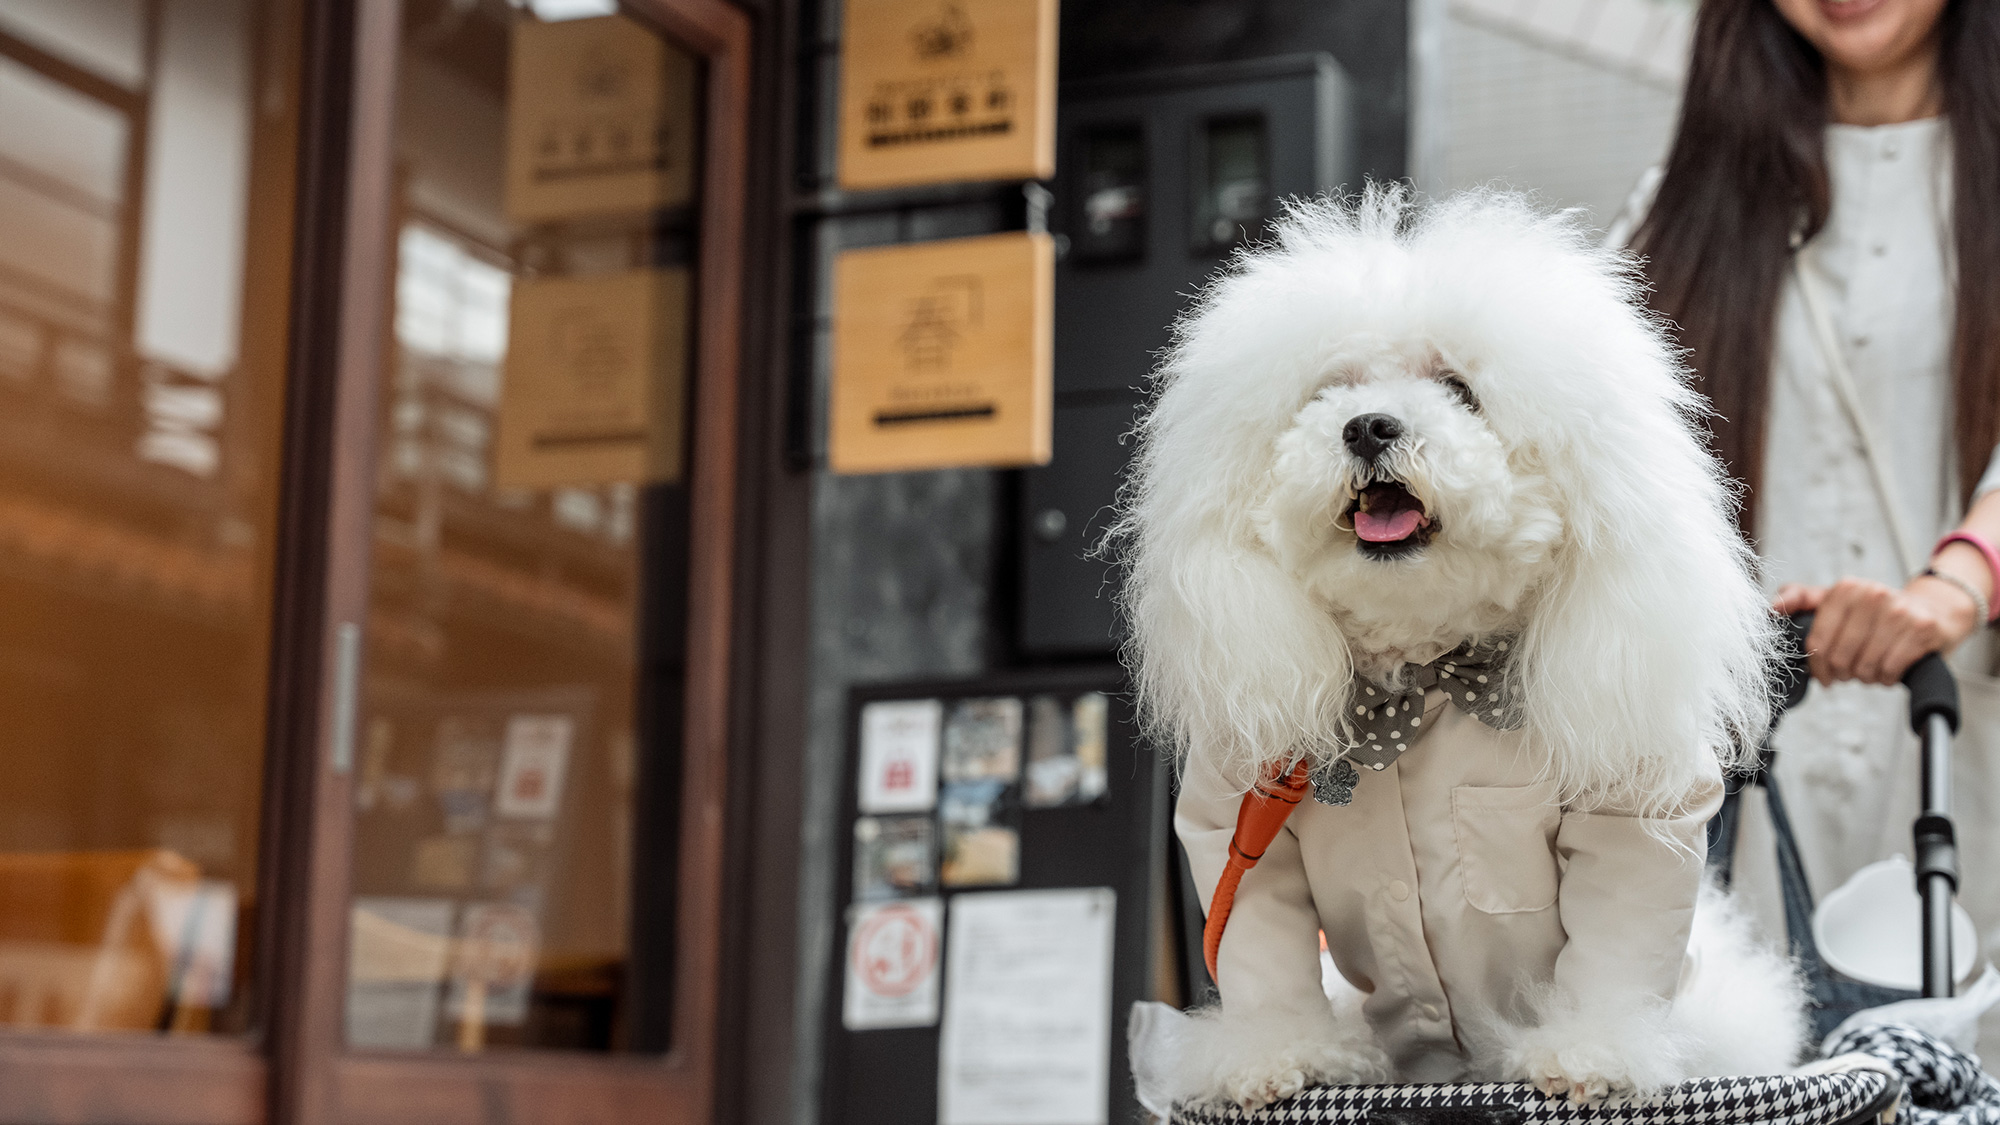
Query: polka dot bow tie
x: 1387, y: 722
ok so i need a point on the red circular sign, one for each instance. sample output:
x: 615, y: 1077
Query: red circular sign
x: 894, y: 950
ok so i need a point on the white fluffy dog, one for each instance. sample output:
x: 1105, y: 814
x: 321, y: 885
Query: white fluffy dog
x: 1401, y: 452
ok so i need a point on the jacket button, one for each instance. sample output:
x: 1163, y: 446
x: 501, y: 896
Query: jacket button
x: 1399, y: 890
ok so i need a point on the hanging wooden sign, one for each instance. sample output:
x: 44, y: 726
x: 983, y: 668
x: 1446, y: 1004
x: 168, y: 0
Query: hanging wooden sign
x: 933, y: 91
x: 942, y: 354
x: 595, y: 386
x: 600, y: 120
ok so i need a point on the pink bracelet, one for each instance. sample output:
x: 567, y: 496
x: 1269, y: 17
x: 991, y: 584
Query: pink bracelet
x: 1986, y: 551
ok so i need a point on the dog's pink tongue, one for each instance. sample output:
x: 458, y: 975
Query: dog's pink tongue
x: 1387, y: 527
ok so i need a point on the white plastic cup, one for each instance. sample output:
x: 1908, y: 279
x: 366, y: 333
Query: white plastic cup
x: 1872, y: 929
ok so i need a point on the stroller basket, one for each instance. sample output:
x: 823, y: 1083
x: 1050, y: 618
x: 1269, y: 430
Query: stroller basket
x: 1861, y: 1097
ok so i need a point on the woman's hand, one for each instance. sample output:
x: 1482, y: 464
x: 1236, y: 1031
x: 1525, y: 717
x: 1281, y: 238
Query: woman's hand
x: 1870, y: 632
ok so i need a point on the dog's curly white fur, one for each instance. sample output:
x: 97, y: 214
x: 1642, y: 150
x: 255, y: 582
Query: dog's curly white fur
x: 1576, y: 502
x: 1547, y: 430
x: 1258, y: 1059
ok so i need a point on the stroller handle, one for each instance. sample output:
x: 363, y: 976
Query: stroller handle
x: 1933, y: 689
x: 1934, y: 718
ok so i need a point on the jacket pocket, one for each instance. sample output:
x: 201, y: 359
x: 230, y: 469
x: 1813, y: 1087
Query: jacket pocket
x: 1506, y: 846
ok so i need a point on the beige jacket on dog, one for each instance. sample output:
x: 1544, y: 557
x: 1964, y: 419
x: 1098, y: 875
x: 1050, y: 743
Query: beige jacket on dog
x: 1449, y: 890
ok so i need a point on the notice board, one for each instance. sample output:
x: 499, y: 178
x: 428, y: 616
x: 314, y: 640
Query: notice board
x: 937, y: 91
x: 942, y: 354
x: 1005, y: 832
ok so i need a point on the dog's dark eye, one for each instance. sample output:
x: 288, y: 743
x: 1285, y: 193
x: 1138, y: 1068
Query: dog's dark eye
x: 1458, y: 386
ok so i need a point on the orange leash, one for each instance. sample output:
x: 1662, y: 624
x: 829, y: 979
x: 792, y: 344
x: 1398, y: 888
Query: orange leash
x: 1263, y: 812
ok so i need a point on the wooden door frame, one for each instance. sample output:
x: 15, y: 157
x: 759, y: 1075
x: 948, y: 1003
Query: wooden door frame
x: 318, y: 1080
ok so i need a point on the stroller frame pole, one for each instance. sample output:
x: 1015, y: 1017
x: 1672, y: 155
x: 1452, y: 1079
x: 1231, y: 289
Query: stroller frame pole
x: 1934, y: 718
x: 1937, y: 856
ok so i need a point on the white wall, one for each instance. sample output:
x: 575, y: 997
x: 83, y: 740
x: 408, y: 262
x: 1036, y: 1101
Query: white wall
x: 1573, y: 99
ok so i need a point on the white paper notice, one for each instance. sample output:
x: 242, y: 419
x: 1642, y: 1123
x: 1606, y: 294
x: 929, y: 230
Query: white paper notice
x: 1027, y: 1010
x: 892, y: 965
x: 533, y: 764
x: 899, y: 755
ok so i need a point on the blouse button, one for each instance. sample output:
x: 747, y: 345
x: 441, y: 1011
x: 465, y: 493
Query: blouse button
x: 1881, y: 249
x: 1889, y: 151
x: 1431, y: 1012
x: 1399, y: 890
x: 1861, y: 341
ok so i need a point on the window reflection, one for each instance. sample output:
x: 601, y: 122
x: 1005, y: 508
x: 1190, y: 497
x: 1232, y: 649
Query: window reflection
x: 146, y: 154
x: 530, y: 531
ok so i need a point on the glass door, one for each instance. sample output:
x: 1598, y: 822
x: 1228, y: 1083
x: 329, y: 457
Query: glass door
x: 527, y: 618
x: 518, y: 842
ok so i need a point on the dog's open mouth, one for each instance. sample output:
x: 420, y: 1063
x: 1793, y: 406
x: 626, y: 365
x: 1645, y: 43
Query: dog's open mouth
x: 1389, y: 519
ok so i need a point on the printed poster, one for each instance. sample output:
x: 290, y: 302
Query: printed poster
x: 1067, y: 751
x: 1090, y: 716
x: 899, y: 755
x: 533, y: 761
x: 892, y: 964
x: 493, y: 965
x: 981, y: 847
x: 398, y: 952
x: 1054, y: 771
x: 982, y: 740
x: 982, y: 763
x: 894, y: 856
x: 1026, y: 1036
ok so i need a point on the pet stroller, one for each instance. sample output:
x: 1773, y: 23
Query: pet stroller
x: 1865, y: 1096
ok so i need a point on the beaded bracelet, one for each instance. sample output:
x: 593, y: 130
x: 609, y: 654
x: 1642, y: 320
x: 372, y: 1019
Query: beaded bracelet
x: 1986, y: 551
x: 1967, y: 588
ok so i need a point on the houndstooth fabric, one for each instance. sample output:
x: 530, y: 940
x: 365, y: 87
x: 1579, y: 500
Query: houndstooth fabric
x: 1946, y: 1086
x: 1779, y: 1099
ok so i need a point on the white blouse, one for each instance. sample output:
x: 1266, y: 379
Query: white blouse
x: 1881, y: 268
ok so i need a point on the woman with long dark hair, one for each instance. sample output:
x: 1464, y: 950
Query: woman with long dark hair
x: 1825, y: 237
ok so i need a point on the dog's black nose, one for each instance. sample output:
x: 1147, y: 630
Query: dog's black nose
x: 1369, y: 434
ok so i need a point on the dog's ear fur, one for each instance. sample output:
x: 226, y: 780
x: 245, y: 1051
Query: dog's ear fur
x: 1644, y: 659
x: 1645, y: 655
x: 1651, y: 642
x: 1229, y: 656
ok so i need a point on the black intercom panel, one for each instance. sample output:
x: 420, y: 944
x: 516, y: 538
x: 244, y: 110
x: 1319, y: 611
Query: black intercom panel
x: 1161, y: 176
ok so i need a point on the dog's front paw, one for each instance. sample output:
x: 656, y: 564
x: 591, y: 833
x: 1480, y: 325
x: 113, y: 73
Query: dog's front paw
x: 1584, y: 1073
x: 1617, y: 1047
x: 1259, y: 1086
x: 1281, y: 1073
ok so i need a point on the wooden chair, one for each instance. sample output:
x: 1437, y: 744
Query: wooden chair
x: 77, y: 948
